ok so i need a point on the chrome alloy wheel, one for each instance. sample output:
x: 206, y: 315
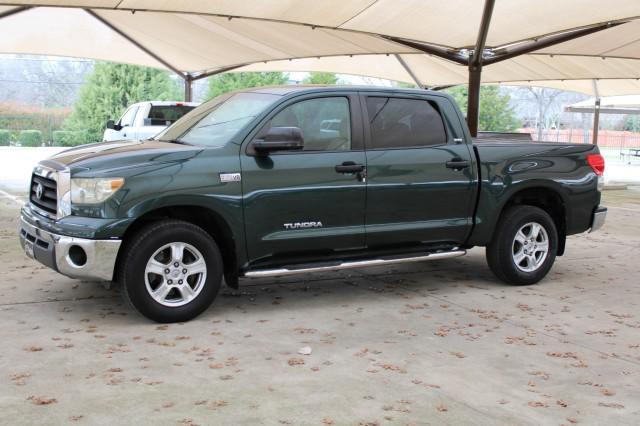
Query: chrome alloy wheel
x: 175, y: 274
x: 530, y: 247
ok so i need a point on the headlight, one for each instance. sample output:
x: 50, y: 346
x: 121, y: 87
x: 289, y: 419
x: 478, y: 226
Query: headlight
x: 93, y: 190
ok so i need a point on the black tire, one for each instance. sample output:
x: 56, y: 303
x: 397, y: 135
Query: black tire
x: 500, y: 252
x: 141, y: 247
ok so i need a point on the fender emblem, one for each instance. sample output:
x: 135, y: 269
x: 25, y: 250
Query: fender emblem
x: 230, y: 177
x: 301, y: 225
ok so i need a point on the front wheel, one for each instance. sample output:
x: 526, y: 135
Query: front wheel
x: 524, y: 246
x: 171, y: 272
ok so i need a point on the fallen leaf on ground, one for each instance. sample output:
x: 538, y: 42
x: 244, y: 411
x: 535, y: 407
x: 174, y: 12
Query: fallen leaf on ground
x: 563, y: 355
x: 19, y: 378
x: 610, y: 405
x: 38, y: 400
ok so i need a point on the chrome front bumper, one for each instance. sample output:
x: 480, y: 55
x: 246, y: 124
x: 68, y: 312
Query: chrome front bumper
x: 74, y: 257
x: 599, y: 216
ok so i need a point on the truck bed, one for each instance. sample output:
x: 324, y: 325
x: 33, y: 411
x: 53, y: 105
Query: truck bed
x: 508, y: 168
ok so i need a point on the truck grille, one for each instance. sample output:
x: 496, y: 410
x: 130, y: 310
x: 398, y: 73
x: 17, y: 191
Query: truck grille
x: 48, y: 199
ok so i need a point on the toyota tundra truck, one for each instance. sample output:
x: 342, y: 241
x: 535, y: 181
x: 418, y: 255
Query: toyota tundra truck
x: 276, y: 181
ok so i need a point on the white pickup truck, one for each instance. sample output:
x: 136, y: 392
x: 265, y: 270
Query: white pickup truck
x: 146, y: 119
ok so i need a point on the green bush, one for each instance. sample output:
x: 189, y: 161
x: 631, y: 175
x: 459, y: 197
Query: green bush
x: 30, y: 138
x: 69, y: 138
x: 5, y: 137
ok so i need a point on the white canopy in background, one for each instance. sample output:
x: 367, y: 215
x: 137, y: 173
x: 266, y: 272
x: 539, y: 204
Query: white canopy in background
x: 574, y: 73
x: 186, y: 42
x: 198, y: 36
x: 608, y: 105
x: 452, y: 23
x: 564, y: 44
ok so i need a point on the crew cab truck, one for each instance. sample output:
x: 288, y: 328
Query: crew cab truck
x: 144, y: 120
x: 295, y: 179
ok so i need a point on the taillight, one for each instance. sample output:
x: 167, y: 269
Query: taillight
x: 596, y: 161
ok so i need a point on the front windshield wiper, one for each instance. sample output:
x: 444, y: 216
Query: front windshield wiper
x: 224, y: 122
x: 173, y: 141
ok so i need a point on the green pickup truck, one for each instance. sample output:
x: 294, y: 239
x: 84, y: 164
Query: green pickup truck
x: 297, y: 179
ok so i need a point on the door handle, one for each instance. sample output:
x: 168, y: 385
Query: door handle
x: 349, y: 167
x: 457, y: 164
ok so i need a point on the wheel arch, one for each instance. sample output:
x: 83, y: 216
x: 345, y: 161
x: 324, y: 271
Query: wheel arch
x: 547, y: 198
x: 211, y: 221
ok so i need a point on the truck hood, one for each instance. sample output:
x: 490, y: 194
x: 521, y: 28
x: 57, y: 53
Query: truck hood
x: 122, y: 154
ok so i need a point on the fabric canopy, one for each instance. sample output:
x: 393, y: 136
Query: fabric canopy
x: 377, y: 38
x: 187, y: 42
x: 608, y: 105
x: 451, y: 23
x: 573, y: 73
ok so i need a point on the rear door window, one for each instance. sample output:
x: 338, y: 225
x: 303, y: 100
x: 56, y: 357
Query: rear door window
x: 404, y: 123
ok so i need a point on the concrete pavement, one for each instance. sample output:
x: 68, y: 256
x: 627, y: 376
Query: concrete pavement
x: 431, y: 343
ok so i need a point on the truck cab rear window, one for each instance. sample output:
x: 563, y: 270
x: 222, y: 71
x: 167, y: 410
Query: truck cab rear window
x: 404, y: 123
x: 165, y: 115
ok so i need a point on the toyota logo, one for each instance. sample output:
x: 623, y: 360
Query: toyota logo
x: 39, y: 191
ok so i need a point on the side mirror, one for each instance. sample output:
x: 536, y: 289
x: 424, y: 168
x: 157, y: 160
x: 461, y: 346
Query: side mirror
x: 112, y: 125
x: 279, y: 139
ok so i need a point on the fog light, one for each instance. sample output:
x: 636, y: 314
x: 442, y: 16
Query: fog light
x: 77, y: 256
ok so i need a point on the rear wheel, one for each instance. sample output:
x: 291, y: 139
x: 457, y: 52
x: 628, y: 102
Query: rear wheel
x: 524, y: 246
x: 171, y: 272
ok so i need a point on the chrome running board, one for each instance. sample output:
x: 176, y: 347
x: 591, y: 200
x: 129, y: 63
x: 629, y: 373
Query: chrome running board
x: 262, y: 273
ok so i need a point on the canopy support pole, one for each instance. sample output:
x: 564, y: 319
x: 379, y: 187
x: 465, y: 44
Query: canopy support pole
x: 439, y: 51
x: 545, y: 41
x: 473, y: 99
x: 409, y: 70
x: 475, y: 69
x: 596, y: 113
x: 218, y: 71
x: 14, y: 11
x: 190, y: 78
x: 188, y: 88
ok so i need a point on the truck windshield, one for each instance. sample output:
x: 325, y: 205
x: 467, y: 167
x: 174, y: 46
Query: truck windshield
x: 214, y: 123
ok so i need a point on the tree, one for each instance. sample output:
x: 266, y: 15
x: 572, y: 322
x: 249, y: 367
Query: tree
x: 321, y: 78
x: 111, y: 88
x: 632, y: 123
x: 223, y: 83
x: 544, y: 99
x: 495, y: 113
